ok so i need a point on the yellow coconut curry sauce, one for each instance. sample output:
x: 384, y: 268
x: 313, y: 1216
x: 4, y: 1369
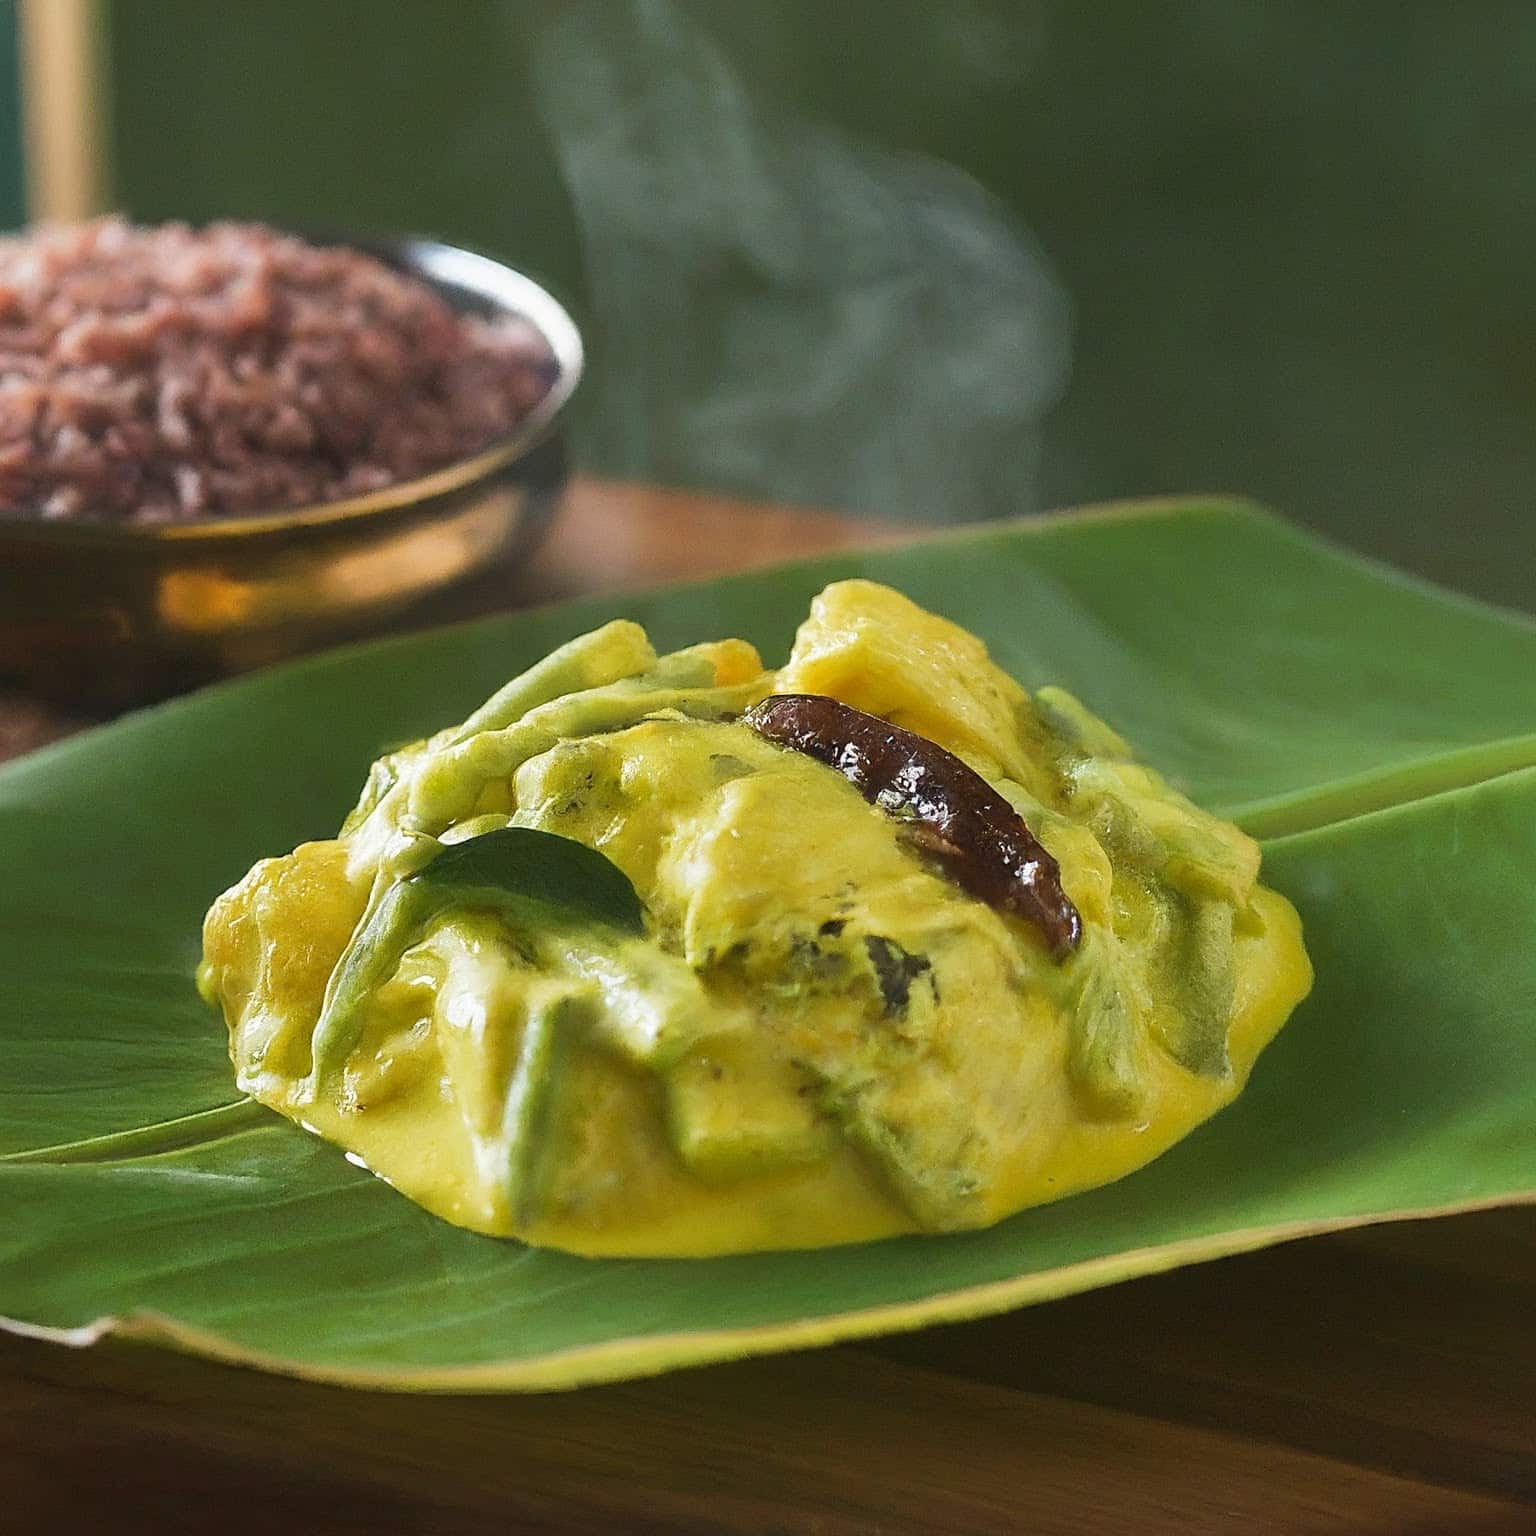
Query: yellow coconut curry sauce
x: 751, y: 1009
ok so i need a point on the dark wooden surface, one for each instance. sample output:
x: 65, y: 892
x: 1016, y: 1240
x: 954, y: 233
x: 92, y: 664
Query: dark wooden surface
x: 1377, y: 1381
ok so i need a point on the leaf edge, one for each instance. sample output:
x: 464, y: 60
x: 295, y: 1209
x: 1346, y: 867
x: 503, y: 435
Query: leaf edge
x: 637, y: 1357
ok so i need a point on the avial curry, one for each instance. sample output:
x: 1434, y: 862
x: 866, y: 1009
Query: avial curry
x: 679, y: 955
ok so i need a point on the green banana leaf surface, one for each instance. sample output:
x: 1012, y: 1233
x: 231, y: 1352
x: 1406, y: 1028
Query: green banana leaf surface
x: 1379, y: 736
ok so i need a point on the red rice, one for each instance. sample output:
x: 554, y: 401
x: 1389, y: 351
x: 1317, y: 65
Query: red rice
x: 161, y: 374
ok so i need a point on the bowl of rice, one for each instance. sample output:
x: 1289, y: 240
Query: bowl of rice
x: 222, y: 446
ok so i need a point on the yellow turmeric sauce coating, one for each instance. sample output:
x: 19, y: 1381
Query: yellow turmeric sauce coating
x: 819, y: 1038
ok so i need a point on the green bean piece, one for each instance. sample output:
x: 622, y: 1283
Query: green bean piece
x: 1102, y: 1055
x: 451, y: 781
x: 529, y: 1098
x: 617, y: 650
x: 1197, y: 968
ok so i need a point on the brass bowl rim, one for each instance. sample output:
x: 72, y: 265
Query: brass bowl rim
x: 513, y: 292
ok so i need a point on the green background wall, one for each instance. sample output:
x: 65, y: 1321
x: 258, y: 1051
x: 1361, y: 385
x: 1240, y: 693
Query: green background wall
x: 1282, y: 249
x: 12, y: 205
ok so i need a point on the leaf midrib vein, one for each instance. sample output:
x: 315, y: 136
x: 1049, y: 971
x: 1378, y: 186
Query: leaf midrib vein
x: 1383, y: 789
x: 201, y: 1128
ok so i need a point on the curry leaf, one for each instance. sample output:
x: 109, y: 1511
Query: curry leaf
x: 539, y: 868
x: 1379, y: 735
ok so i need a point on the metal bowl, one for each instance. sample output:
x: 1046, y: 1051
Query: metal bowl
x: 108, y: 615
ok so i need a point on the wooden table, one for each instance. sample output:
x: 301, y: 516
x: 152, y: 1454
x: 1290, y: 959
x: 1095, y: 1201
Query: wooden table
x: 1380, y: 1381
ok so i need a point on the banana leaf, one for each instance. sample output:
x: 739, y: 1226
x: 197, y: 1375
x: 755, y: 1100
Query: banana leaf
x: 1377, y: 734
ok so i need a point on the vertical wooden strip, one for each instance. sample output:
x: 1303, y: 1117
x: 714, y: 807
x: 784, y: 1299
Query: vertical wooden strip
x: 63, y: 107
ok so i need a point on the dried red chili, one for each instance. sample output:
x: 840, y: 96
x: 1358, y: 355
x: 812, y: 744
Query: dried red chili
x: 954, y: 815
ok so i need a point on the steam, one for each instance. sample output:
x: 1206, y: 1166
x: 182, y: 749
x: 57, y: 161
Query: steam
x: 777, y: 309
